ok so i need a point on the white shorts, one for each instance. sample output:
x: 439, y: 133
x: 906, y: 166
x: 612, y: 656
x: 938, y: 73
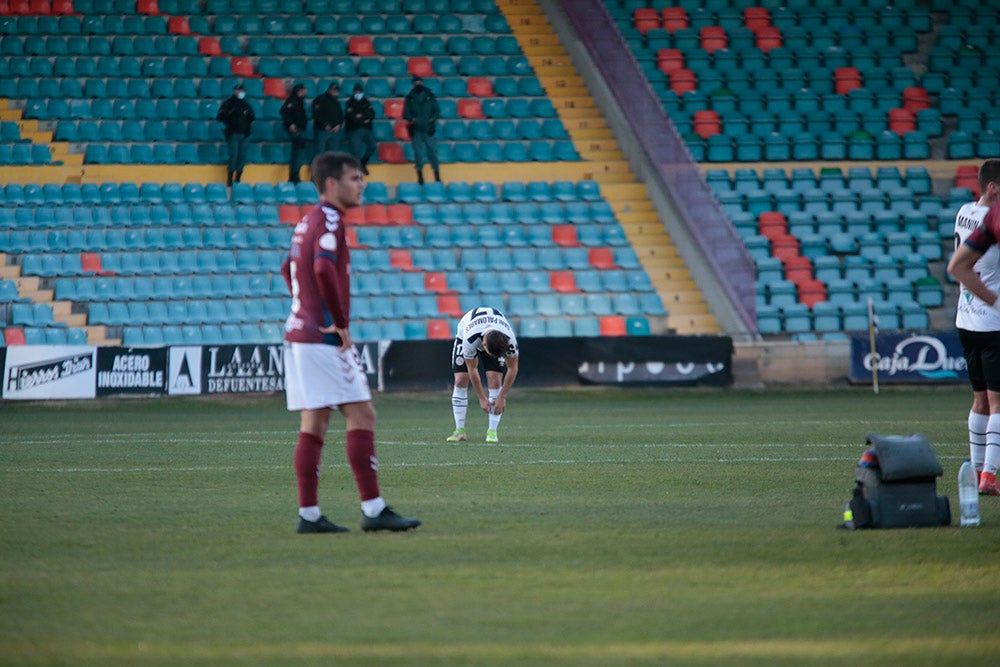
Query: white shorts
x: 323, y: 376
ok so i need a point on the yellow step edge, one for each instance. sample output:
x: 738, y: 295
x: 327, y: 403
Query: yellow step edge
x: 601, y: 155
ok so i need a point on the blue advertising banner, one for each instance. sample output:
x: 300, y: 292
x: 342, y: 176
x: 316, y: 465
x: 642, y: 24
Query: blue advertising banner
x: 924, y: 357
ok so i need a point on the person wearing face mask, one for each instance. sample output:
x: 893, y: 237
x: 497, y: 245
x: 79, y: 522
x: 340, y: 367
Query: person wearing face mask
x: 358, y: 118
x: 237, y: 117
x: 421, y: 112
x: 293, y: 117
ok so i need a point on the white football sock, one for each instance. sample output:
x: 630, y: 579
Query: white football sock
x: 992, y: 459
x: 977, y: 438
x: 310, y: 513
x: 459, y: 405
x: 494, y: 419
x: 372, y: 508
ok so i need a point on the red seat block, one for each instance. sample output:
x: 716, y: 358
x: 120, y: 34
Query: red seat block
x: 563, y: 282
x: 393, y: 109
x: 439, y: 330
x: 391, y: 153
x: 419, y: 66
x: 613, y: 325
x: 401, y: 259
x: 602, y: 258
x: 361, y: 45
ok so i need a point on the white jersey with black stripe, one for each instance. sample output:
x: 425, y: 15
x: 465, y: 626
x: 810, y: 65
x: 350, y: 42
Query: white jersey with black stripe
x: 477, y: 322
x: 973, y: 314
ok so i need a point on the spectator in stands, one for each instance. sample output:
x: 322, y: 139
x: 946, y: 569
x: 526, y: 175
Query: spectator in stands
x: 293, y: 116
x: 485, y: 335
x: 359, y: 116
x: 421, y: 112
x: 323, y: 371
x: 328, y: 119
x: 237, y: 116
x: 976, y: 265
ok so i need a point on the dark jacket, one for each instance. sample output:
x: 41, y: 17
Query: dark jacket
x: 358, y: 114
x: 293, y: 112
x: 420, y: 110
x: 236, y: 115
x: 327, y: 112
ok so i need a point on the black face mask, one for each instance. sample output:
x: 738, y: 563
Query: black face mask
x: 419, y: 87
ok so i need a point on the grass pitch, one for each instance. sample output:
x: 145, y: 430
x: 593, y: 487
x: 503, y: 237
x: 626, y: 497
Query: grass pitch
x: 610, y: 527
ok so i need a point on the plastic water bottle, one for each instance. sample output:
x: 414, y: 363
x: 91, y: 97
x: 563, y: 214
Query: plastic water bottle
x: 968, y: 494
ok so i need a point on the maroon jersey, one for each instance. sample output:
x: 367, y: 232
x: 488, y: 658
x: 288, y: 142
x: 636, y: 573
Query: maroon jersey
x: 987, y: 233
x: 318, y: 274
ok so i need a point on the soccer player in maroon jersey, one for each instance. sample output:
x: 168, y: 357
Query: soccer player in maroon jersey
x: 323, y: 371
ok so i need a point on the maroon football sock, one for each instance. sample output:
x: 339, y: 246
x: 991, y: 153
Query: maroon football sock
x: 307, y: 458
x: 361, y: 456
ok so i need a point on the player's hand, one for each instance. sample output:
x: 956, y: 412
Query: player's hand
x: 485, y: 404
x: 499, y: 405
x: 345, y: 335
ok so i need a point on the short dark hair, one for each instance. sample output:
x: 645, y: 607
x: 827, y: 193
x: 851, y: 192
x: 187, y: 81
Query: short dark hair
x: 496, y: 343
x: 331, y: 165
x: 238, y: 86
x: 989, y: 172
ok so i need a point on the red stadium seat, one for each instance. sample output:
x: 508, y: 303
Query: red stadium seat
x: 419, y: 66
x: 209, y: 46
x: 289, y: 213
x: 713, y: 38
x: 812, y: 292
x: 645, y: 19
x: 668, y: 60
x: 915, y: 98
x: 967, y: 176
x: 439, y: 330
x: 63, y: 7
x: 241, y: 67
x: 756, y: 18
x: 613, y: 325
x: 352, y: 238
x: 400, y: 214
x: 846, y: 79
x: 275, y: 88
x: 361, y: 45
x: 355, y: 216
x: 479, y: 86
x: 785, y: 246
x: 40, y: 7
x: 91, y: 263
x: 470, y: 108
x: 602, y: 258
x: 376, y: 214
x: 178, y: 25
x: 565, y: 236
x: 706, y: 123
x: 14, y: 336
x: 401, y: 130
x: 401, y: 259
x: 436, y: 282
x: 563, y: 282
x: 767, y: 38
x: 902, y: 121
x: 682, y: 81
x: 150, y: 7
x: 798, y: 269
x: 674, y: 19
x: 391, y: 152
x: 393, y: 109
x: 448, y: 305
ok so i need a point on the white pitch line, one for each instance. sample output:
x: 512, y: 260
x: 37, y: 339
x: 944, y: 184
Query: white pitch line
x: 452, y: 464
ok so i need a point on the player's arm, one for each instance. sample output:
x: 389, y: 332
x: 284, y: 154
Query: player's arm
x: 472, y: 366
x: 335, y: 296
x: 962, y: 268
x: 500, y: 403
x: 286, y: 272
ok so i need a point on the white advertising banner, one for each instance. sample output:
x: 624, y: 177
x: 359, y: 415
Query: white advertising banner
x: 41, y: 372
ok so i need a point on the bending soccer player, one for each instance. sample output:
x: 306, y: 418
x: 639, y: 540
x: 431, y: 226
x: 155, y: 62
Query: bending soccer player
x: 323, y: 371
x: 483, y: 335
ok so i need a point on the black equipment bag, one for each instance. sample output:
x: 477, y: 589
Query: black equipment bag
x: 895, y: 485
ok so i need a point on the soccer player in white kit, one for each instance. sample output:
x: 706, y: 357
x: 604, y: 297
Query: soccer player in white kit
x: 483, y: 335
x: 976, y: 265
